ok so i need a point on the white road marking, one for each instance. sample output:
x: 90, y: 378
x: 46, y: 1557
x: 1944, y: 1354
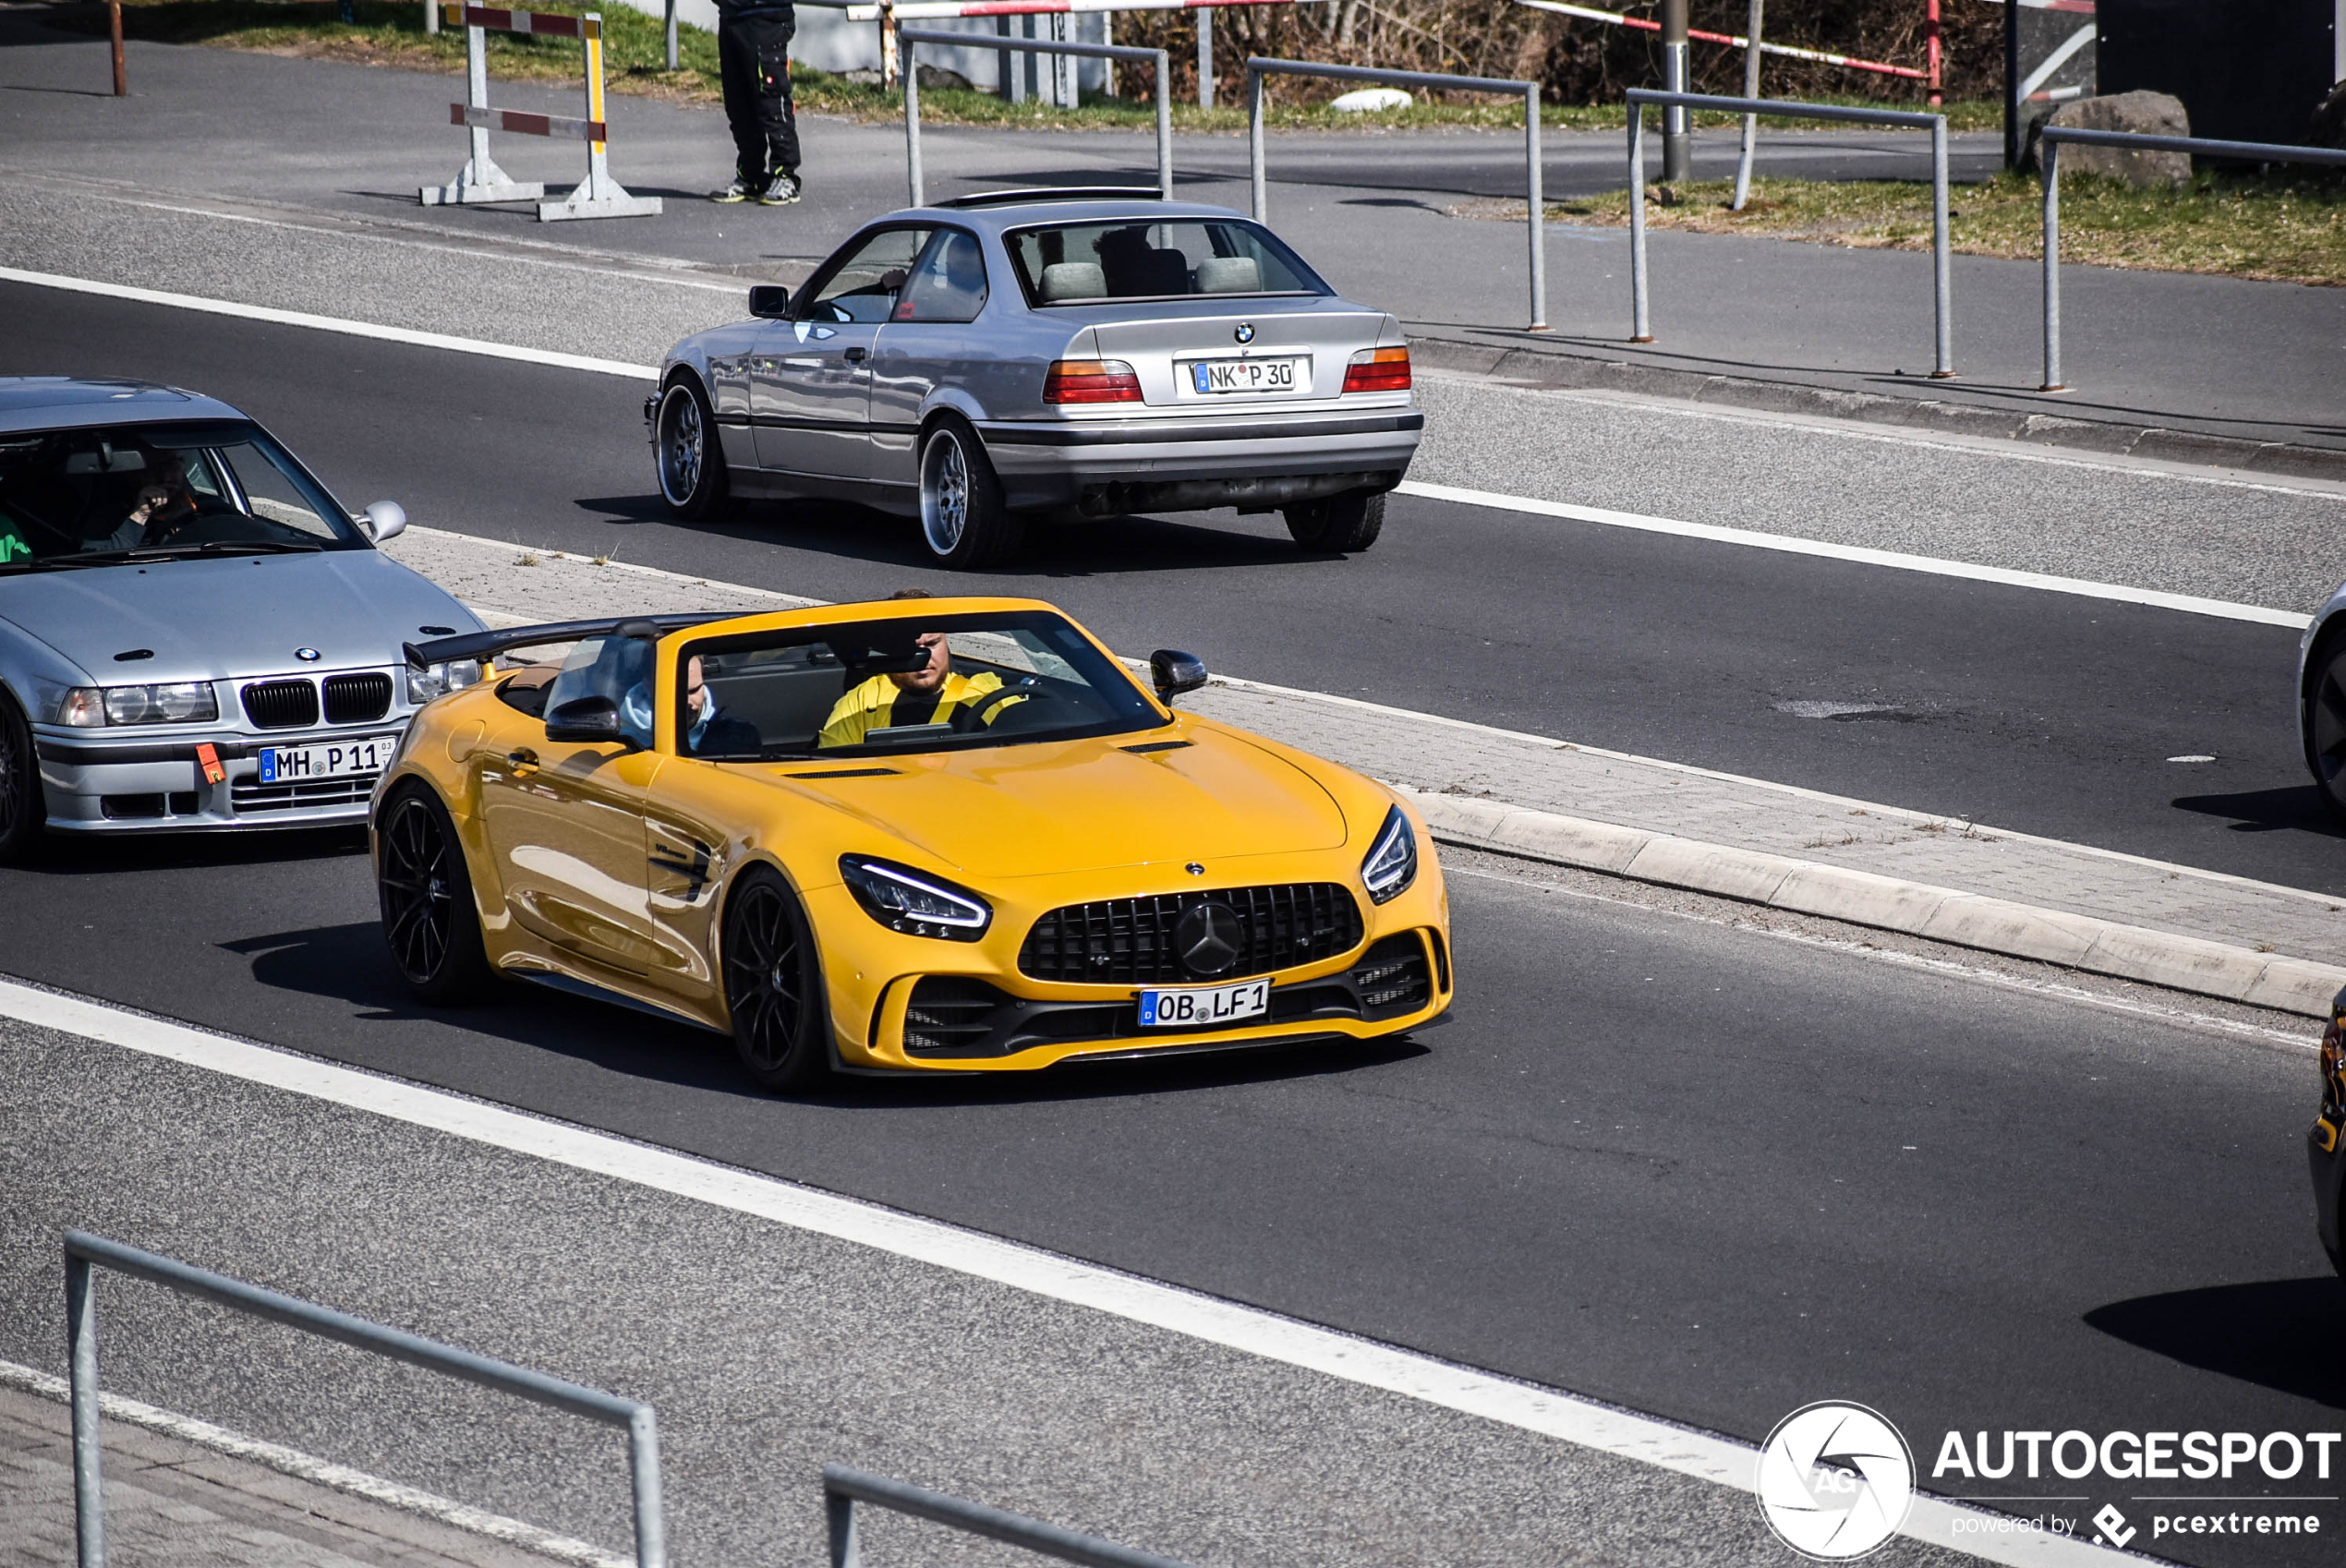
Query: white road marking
x: 1523, y: 1406
x: 1789, y: 544
x: 1897, y: 560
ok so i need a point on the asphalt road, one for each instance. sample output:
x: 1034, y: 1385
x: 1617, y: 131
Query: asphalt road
x: 2038, y: 712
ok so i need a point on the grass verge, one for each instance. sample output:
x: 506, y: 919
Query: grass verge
x: 390, y: 33
x: 2285, y: 226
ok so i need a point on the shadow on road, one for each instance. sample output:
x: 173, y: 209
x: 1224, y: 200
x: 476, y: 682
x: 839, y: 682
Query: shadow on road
x: 109, y: 854
x: 2262, y: 1334
x: 2297, y: 807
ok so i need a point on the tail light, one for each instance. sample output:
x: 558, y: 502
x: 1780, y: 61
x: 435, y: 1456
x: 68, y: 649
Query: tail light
x: 1378, y: 369
x: 1091, y: 380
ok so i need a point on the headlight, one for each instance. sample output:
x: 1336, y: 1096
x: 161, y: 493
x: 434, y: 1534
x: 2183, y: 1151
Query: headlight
x: 914, y: 902
x: 440, y: 679
x: 178, y: 702
x: 1392, y: 865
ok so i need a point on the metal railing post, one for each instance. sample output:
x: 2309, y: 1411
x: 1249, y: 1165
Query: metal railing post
x: 1165, y: 124
x: 1750, y: 122
x: 643, y: 1472
x: 1942, y: 258
x: 912, y: 121
x: 1205, y: 57
x: 669, y: 26
x: 1537, y: 200
x: 1255, y: 150
x: 2050, y: 151
x: 838, y: 1515
x: 81, y: 1342
x: 1639, y: 330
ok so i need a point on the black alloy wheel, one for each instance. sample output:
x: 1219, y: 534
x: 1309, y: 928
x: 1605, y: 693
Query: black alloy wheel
x: 691, y: 455
x: 1338, y: 523
x: 429, y: 922
x: 774, y: 986
x: 964, y: 521
x: 23, y: 809
x: 2325, y: 725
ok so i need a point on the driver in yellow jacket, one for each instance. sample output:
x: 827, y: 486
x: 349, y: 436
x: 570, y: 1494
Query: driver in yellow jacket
x: 931, y: 694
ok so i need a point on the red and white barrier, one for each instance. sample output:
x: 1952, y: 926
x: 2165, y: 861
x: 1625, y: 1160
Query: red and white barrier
x: 940, y: 10
x: 1615, y: 19
x: 480, y: 180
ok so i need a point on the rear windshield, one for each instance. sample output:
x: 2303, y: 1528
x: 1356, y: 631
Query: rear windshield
x: 1070, y: 263
x: 90, y: 496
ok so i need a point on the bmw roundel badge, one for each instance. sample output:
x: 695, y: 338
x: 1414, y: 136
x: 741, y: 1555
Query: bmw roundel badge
x: 308, y: 656
x: 1245, y: 332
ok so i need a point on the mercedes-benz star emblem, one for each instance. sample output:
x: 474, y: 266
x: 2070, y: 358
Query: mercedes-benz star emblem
x: 1209, y: 937
x: 308, y: 656
x: 1245, y: 332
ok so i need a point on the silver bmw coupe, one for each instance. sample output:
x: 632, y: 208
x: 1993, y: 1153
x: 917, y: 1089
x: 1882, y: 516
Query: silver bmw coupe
x: 193, y: 633
x: 1062, y: 354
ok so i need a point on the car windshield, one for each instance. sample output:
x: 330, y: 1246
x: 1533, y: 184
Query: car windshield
x: 952, y: 683
x: 1070, y: 264
x: 94, y: 497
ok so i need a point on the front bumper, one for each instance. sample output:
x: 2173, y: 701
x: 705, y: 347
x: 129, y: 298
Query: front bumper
x: 146, y: 784
x: 1106, y: 466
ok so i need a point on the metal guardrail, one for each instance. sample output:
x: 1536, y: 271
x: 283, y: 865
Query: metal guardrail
x: 1641, y: 329
x: 844, y: 1487
x: 916, y: 37
x: 2135, y: 141
x: 1259, y: 66
x: 83, y: 1251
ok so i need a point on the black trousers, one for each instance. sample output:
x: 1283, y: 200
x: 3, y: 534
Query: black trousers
x: 752, y: 62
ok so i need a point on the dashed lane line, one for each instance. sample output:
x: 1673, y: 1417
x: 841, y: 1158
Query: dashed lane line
x: 1528, y: 1408
x: 1604, y: 516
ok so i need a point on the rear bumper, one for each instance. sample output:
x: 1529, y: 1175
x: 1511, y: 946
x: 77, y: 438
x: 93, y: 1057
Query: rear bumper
x: 146, y: 786
x: 1107, y: 466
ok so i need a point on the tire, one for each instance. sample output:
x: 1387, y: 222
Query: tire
x: 963, y: 522
x: 2325, y: 725
x: 774, y: 986
x: 1339, y: 524
x: 23, y: 809
x: 689, y: 456
x: 431, y: 926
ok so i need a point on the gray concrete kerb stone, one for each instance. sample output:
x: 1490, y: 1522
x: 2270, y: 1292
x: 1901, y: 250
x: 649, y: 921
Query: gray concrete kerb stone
x: 1888, y: 903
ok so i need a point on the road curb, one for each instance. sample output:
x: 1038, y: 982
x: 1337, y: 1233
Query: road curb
x: 1889, y: 903
x: 1557, y: 367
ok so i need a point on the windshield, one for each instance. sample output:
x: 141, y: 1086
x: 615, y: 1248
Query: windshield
x: 87, y: 497
x: 878, y: 688
x: 1070, y: 264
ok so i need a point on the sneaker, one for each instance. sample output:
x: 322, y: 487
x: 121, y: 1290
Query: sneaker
x: 740, y: 190
x: 782, y: 192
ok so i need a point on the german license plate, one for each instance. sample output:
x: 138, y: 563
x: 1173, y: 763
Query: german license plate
x: 1205, y: 1006
x: 343, y: 759
x: 1212, y: 376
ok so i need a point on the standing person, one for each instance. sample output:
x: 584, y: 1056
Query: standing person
x: 752, y: 62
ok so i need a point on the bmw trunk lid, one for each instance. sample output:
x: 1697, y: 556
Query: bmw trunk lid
x: 1165, y: 346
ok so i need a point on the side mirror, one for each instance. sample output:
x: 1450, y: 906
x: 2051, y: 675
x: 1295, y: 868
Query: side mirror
x: 585, y: 718
x: 1175, y: 672
x: 384, y: 520
x: 770, y: 302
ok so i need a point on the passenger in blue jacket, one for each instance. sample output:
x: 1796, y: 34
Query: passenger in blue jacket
x: 753, y: 61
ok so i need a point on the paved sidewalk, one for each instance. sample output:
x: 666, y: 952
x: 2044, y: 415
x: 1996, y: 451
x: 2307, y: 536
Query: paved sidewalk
x: 174, y: 1503
x: 1445, y: 757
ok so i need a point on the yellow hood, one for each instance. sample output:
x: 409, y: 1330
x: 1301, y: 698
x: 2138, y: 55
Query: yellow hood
x: 1086, y: 805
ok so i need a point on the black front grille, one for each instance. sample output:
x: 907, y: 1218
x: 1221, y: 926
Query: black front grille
x: 249, y: 795
x: 355, y: 699
x: 1130, y: 941
x: 1391, y: 977
x: 281, y: 704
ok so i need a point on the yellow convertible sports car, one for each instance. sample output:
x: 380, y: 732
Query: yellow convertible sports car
x: 938, y: 835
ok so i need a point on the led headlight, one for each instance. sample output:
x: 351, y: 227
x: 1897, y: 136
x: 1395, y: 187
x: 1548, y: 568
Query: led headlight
x: 440, y: 679
x: 176, y: 702
x: 913, y: 901
x: 1392, y: 865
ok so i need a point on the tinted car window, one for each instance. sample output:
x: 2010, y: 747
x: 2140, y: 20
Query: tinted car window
x: 68, y: 494
x: 950, y: 283
x: 1069, y: 264
x: 863, y: 283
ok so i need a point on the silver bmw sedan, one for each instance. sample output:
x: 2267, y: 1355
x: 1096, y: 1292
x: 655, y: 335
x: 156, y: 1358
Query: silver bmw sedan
x: 193, y: 633
x: 1062, y: 354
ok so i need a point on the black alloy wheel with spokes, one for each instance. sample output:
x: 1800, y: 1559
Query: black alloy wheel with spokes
x: 2326, y: 725
x: 429, y: 922
x: 774, y: 986
x: 22, y: 808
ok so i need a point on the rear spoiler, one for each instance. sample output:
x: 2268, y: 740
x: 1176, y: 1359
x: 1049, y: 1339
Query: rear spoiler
x: 488, y: 644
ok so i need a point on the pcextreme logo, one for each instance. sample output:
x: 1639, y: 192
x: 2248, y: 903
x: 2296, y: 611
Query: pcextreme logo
x: 1835, y: 1480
